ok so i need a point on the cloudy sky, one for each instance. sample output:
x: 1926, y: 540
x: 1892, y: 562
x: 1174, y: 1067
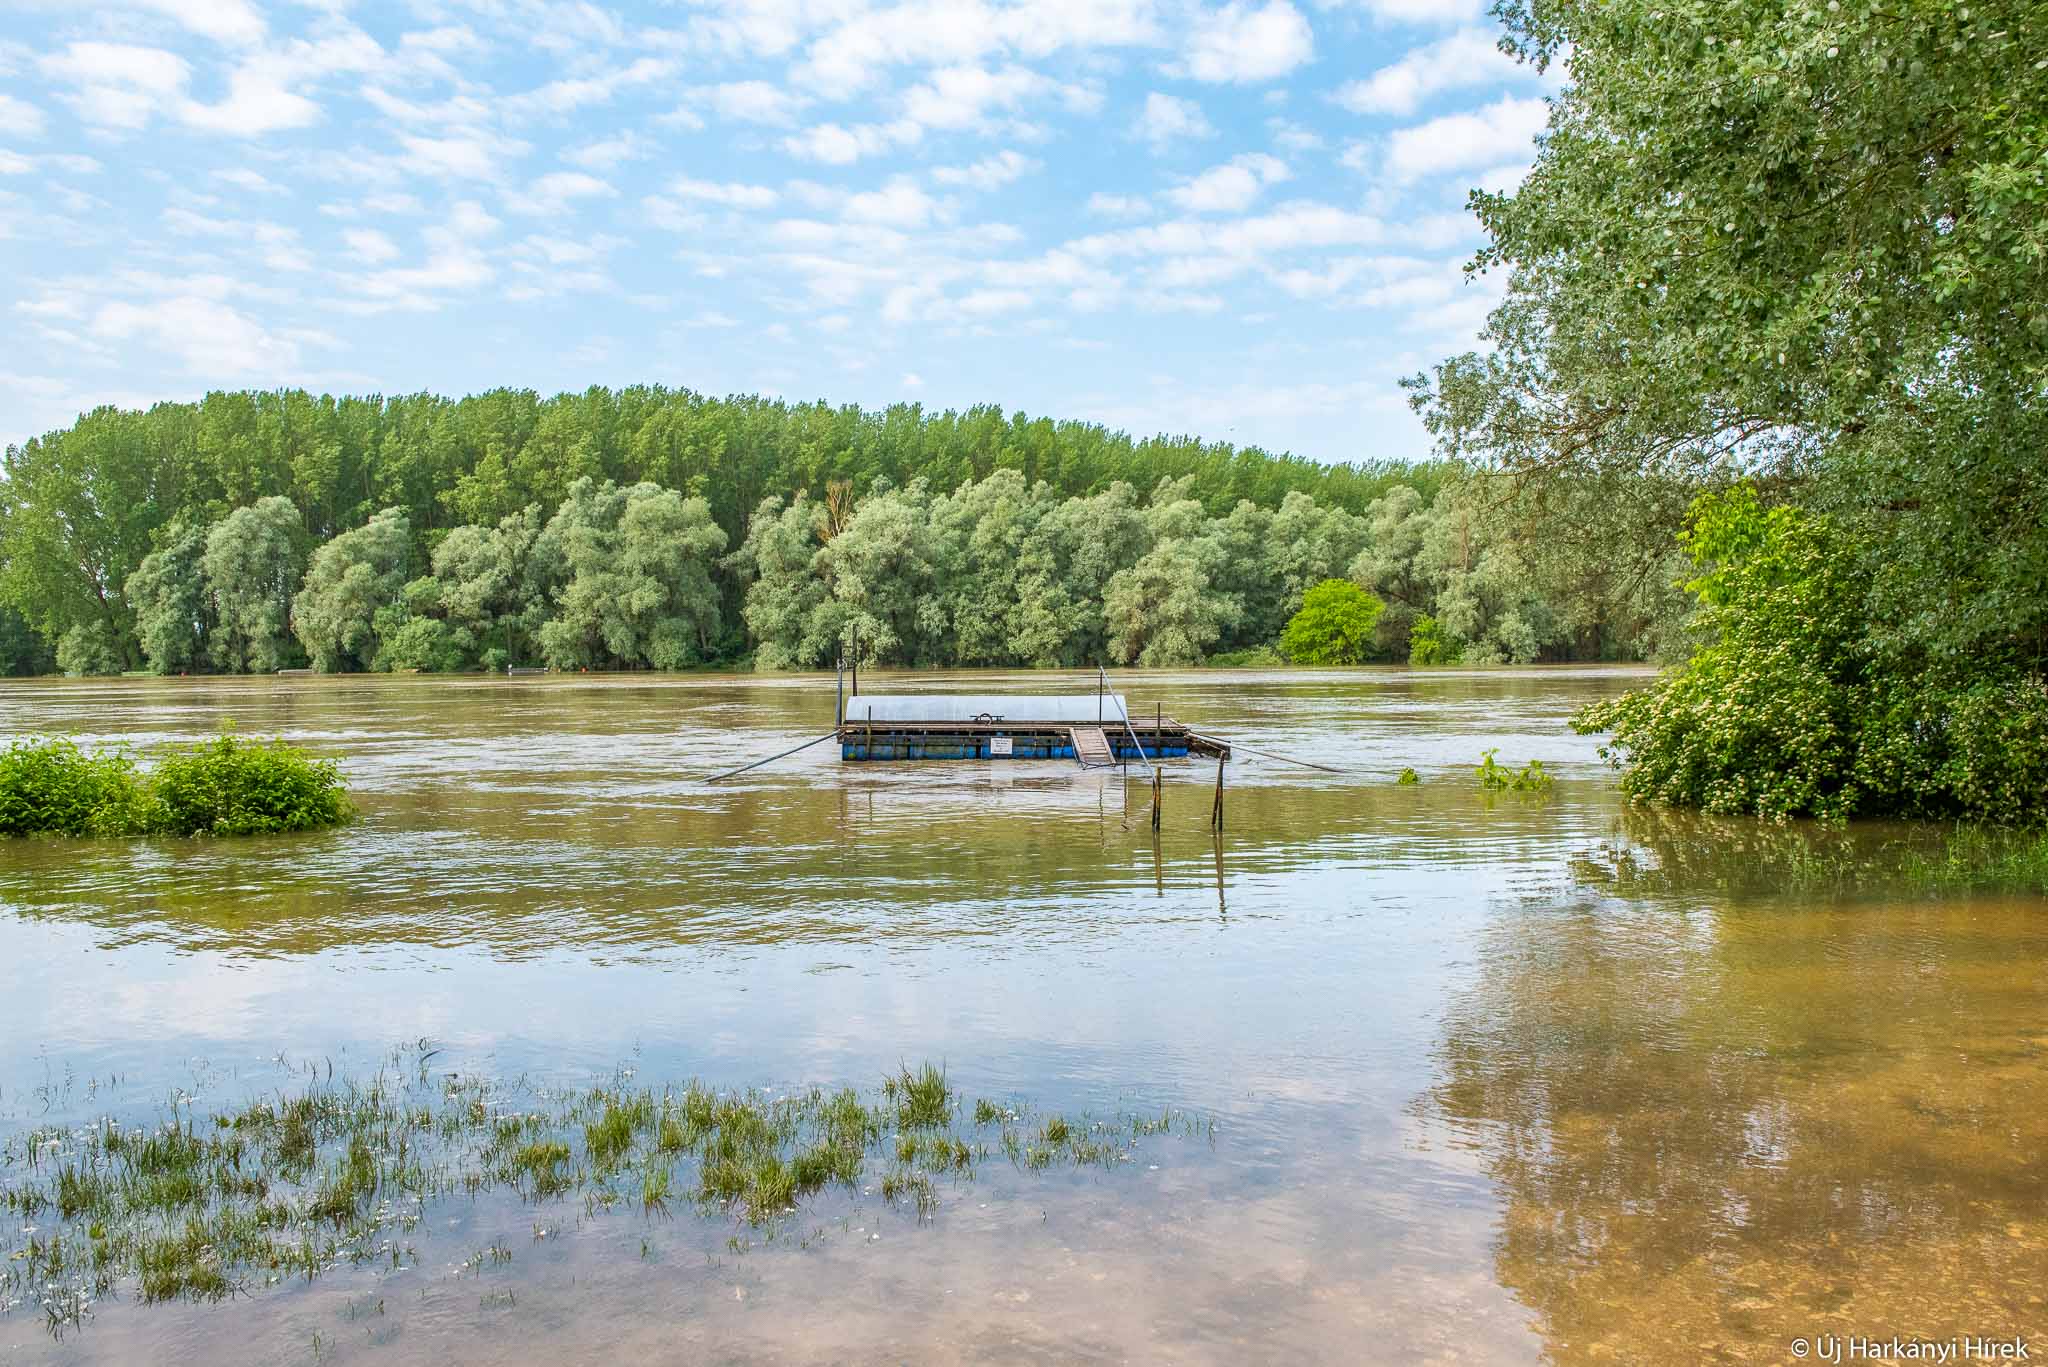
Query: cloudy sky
x: 1242, y: 220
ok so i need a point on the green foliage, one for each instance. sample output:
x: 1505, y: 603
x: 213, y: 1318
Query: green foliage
x: 1788, y: 709
x: 270, y: 529
x: 424, y: 644
x: 22, y: 651
x: 350, y: 580
x: 53, y: 787
x: 1160, y: 612
x: 1334, y: 626
x: 229, y: 786
x: 1429, y: 644
x: 631, y: 570
x: 1805, y: 245
x: 174, y: 616
x: 1254, y: 657
x: 253, y: 561
x: 1495, y: 777
x: 88, y: 649
x: 225, y: 786
x: 1408, y: 779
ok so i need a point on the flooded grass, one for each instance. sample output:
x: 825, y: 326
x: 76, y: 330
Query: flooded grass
x: 204, y: 1208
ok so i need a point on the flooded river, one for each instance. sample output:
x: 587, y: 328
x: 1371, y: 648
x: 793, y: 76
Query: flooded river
x: 1493, y: 1078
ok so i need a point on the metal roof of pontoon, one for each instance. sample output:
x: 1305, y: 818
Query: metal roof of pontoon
x: 1064, y: 709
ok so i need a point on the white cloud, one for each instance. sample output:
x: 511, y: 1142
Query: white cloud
x: 1118, y: 206
x: 857, y: 54
x: 117, y: 85
x: 1246, y: 42
x: 606, y: 153
x: 961, y: 96
x: 224, y: 21
x: 837, y: 145
x: 123, y: 86
x: 15, y: 164
x: 1487, y: 137
x: 258, y: 102
x: 1168, y: 118
x: 242, y: 178
x: 557, y: 192
x: 989, y: 173
x: 469, y: 154
x: 210, y: 339
x: 911, y: 380
x: 1466, y: 58
x: 20, y: 119
x: 1230, y: 188
x: 1293, y: 136
x: 751, y: 102
x: 898, y: 204
x: 456, y: 261
x: 1424, y: 11
x: 275, y: 244
x: 731, y: 194
x: 369, y: 245
x: 567, y: 95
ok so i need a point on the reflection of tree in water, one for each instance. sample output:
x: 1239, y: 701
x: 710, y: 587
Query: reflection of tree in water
x: 1714, y: 1130
x: 1661, y: 852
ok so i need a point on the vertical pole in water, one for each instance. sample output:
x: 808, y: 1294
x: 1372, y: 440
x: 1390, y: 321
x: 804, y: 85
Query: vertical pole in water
x: 871, y: 731
x: 1155, y: 799
x: 1216, y: 814
x: 839, y: 693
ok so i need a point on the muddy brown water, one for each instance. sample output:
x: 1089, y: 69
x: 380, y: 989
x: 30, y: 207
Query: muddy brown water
x: 1494, y: 1079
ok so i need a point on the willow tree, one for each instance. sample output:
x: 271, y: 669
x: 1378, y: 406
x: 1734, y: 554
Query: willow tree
x: 351, y: 580
x: 484, y: 585
x: 174, y: 615
x: 253, y: 560
x: 631, y: 570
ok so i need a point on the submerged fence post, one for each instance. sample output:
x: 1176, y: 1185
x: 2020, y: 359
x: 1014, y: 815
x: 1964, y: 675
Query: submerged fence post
x: 1216, y: 813
x: 1155, y: 799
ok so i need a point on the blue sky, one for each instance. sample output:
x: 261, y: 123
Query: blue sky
x: 1242, y: 220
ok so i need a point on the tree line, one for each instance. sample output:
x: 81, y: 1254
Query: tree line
x: 253, y: 532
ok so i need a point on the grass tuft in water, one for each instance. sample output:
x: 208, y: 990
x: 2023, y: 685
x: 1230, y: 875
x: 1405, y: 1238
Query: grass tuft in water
x: 199, y: 1207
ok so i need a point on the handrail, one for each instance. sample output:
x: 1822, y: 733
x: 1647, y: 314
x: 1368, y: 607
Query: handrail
x: 1128, y: 729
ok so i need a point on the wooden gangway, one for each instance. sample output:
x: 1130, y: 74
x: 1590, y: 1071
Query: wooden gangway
x: 1091, y: 748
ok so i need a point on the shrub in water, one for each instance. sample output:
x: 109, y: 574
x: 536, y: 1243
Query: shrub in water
x: 53, y: 786
x: 1495, y: 777
x: 230, y: 786
x: 222, y: 787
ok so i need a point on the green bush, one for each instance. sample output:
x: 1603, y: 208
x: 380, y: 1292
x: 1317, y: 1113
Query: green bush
x: 1256, y: 657
x: 53, y: 786
x: 1788, y: 711
x: 220, y: 787
x: 87, y: 650
x: 1334, y: 626
x: 425, y: 644
x: 229, y: 786
x: 1430, y: 644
